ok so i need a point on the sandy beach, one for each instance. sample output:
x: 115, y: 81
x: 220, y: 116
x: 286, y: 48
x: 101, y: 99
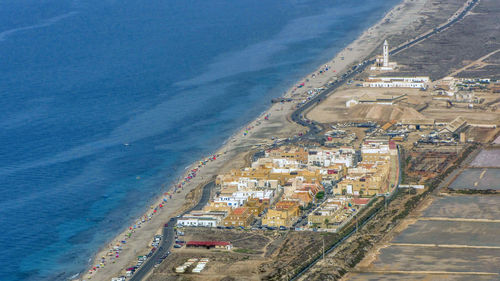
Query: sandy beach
x: 273, y: 124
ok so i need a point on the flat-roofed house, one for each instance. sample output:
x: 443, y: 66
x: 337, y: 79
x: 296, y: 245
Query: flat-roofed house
x: 284, y: 214
x: 239, y: 217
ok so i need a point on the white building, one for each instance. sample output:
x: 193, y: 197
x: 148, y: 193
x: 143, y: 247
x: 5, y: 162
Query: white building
x: 397, y: 82
x: 260, y: 194
x: 378, y: 146
x: 382, y: 62
x: 276, y: 162
x: 239, y: 198
x: 231, y: 201
x: 325, y: 158
x: 204, y: 219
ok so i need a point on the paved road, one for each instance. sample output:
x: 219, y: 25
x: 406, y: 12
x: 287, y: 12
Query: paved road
x: 168, y: 232
x: 205, y: 196
x: 297, y: 115
x: 313, y: 129
x: 169, y: 237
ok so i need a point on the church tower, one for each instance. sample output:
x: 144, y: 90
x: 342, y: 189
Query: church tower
x: 386, y: 54
x: 382, y: 62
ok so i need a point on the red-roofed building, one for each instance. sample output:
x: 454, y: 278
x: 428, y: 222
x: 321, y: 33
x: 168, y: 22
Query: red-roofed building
x: 210, y: 244
x: 361, y: 201
x: 392, y: 144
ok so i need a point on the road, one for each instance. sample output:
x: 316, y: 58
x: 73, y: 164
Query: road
x: 169, y: 236
x: 297, y: 116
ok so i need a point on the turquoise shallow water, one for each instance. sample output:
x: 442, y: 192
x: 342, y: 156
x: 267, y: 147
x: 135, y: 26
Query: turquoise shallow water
x: 173, y: 79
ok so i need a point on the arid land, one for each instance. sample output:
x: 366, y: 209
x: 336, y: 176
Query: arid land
x: 274, y: 255
x: 448, y: 234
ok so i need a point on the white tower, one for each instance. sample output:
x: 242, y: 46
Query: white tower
x: 386, y: 54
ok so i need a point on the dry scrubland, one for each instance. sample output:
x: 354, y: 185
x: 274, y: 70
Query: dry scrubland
x: 449, y: 237
x: 257, y: 255
x: 470, y: 48
x: 273, y: 255
x: 468, y: 40
x: 429, y: 14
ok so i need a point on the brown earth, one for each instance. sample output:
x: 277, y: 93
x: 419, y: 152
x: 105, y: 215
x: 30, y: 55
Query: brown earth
x: 475, y: 36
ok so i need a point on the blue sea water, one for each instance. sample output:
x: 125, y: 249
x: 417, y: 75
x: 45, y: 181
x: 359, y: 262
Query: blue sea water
x: 173, y: 79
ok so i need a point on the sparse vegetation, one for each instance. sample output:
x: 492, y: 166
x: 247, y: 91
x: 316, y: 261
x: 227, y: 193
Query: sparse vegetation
x: 244, y: 251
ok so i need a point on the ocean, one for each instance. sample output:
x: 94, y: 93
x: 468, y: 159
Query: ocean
x: 104, y: 102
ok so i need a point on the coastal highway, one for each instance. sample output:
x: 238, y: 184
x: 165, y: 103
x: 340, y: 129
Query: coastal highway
x: 169, y: 236
x: 297, y: 115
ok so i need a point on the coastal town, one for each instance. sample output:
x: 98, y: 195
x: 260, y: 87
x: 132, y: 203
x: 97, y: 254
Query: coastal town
x: 330, y: 199
x: 305, y: 189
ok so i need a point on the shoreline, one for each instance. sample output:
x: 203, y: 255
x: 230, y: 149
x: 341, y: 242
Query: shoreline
x: 354, y: 52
